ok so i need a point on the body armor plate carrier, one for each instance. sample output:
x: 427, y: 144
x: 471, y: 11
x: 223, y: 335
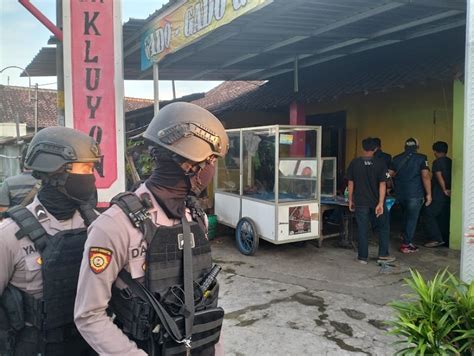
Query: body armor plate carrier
x: 137, y: 317
x: 52, y: 316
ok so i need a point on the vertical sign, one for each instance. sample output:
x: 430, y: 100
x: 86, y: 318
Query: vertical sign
x: 93, y: 77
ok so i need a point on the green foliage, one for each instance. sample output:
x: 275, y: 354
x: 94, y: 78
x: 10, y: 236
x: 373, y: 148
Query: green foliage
x: 144, y: 164
x: 438, y: 318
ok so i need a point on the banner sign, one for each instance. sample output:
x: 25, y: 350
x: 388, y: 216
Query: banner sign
x: 187, y: 23
x: 94, y: 82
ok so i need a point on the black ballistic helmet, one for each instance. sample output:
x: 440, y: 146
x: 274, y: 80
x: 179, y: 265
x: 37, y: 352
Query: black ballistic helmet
x: 189, y: 131
x: 54, y: 147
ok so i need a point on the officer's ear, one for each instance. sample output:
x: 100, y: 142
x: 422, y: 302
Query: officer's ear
x: 187, y: 166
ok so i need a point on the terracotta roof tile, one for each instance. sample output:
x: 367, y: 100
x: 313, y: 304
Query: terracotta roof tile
x: 15, y: 100
x: 136, y: 103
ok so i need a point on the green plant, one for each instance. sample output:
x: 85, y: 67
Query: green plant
x: 144, y: 163
x: 438, y: 318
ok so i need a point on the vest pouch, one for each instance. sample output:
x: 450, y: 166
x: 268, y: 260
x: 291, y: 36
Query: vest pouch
x: 132, y: 315
x: 206, y: 332
x: 12, y: 303
x: 7, y: 335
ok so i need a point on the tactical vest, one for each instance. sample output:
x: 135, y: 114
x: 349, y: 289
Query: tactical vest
x: 164, y: 280
x: 61, y: 255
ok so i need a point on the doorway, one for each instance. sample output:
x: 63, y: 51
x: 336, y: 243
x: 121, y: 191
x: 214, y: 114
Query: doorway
x: 333, y: 139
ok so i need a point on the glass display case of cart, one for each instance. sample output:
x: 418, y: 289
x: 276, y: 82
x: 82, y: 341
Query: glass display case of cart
x: 328, y: 177
x: 268, y: 185
x: 286, y: 165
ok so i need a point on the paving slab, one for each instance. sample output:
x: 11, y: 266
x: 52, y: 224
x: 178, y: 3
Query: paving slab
x: 304, y: 300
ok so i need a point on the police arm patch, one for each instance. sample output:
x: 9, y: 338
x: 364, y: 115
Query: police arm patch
x: 99, y: 259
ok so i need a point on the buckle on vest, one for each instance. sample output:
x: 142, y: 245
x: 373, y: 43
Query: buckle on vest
x: 139, y: 217
x: 181, y: 241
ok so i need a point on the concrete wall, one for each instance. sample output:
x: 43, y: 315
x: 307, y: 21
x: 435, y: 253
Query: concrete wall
x: 457, y: 155
x: 429, y: 112
x: 424, y: 112
x: 8, y: 129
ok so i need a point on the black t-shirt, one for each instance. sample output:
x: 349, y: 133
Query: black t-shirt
x: 408, y: 167
x: 387, y: 158
x: 367, y: 173
x: 443, y: 165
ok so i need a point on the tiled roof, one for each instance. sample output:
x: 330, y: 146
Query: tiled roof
x: 15, y: 100
x: 218, y: 98
x: 136, y: 103
x: 215, y: 100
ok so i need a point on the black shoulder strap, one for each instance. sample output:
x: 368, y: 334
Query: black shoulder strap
x: 404, y: 161
x: 88, y: 213
x: 29, y: 226
x: 137, y: 211
x: 188, y: 281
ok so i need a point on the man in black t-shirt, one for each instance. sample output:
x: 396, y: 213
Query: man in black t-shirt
x: 367, y: 186
x: 437, y: 214
x: 387, y: 158
x: 411, y: 177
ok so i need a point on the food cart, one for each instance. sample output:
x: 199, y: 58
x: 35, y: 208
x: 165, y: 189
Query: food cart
x: 268, y: 185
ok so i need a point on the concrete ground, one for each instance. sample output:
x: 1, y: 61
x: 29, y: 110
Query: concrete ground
x: 305, y: 300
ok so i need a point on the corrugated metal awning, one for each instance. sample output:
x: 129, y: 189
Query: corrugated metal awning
x: 265, y: 43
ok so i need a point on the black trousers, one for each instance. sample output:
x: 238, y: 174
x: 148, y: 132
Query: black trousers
x: 436, y: 218
x: 28, y: 342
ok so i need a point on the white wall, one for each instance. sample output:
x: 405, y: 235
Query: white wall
x: 8, y: 129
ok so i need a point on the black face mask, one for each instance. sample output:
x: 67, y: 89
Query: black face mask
x: 169, y: 186
x: 57, y: 204
x: 81, y: 186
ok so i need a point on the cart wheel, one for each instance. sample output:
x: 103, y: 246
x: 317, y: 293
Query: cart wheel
x: 246, y: 236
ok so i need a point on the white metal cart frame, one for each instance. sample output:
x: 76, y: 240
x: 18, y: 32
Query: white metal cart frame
x: 275, y: 217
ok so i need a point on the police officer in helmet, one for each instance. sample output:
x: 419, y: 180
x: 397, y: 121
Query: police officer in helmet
x: 41, y: 247
x: 147, y: 284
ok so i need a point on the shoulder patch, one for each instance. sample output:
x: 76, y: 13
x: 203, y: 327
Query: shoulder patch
x: 99, y: 259
x: 40, y: 213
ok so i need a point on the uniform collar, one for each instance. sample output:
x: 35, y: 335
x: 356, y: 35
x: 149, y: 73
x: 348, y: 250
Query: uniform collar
x: 49, y: 222
x: 157, y: 213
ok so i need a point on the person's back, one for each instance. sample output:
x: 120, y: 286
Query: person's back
x: 412, y: 182
x: 16, y: 188
x: 387, y: 158
x: 408, y: 178
x: 367, y: 176
x: 443, y: 165
x: 437, y: 214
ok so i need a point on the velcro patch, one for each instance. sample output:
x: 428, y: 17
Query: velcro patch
x: 99, y: 259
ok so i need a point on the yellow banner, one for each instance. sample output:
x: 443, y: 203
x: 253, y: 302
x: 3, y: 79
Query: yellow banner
x: 189, y: 22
